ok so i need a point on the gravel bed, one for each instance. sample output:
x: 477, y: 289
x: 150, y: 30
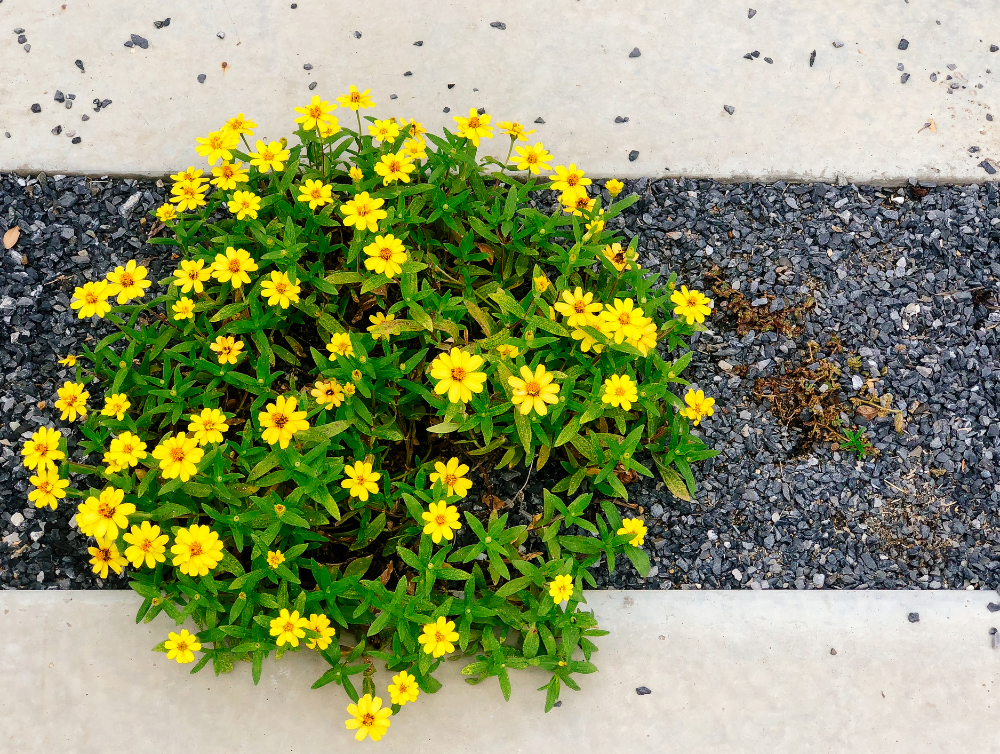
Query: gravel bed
x: 904, y: 278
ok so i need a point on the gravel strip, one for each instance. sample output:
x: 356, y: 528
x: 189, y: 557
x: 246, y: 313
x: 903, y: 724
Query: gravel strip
x: 905, y: 278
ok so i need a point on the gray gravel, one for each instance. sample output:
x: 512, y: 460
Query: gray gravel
x: 908, y: 285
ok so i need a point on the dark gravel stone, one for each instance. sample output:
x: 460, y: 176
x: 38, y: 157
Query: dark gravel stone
x: 85, y: 117
x: 19, y: 30
x: 933, y: 77
x: 57, y: 130
x: 539, y: 120
x: 36, y: 108
x: 77, y: 139
x: 903, y: 44
x: 620, y: 119
x: 994, y: 48
x: 201, y: 78
x: 129, y: 43
x: 357, y: 35
x: 769, y: 61
x: 447, y: 110
x: 833, y: 651
x: 913, y: 617
x: 751, y: 13
x: 408, y: 73
x: 166, y: 22
x: 27, y: 48
x: 313, y: 85
x: 393, y: 96
x: 643, y: 691
x: 989, y: 117
x: 633, y: 155
x: 21, y: 39
x: 480, y: 110
x: 904, y: 78
x: 79, y: 64
x: 812, y: 58
x: 993, y: 607
x: 158, y: 24
x: 748, y: 56
x: 451, y: 86
x: 985, y: 165
x: 635, y: 53
x: 729, y: 109
x: 838, y: 45
x: 307, y: 67
x: 418, y: 43
x: 140, y: 41
x: 59, y: 96
x: 221, y: 35
x: 755, y: 54
x: 498, y: 25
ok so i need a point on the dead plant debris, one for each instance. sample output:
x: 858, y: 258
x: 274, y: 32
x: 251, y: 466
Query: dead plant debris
x: 756, y: 318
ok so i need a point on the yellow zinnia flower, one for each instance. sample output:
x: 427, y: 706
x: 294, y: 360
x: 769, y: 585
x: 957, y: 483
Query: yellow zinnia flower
x: 414, y: 128
x: 269, y: 157
x: 475, y: 127
x: 507, y: 352
x: 356, y: 174
x: 363, y: 212
x: 315, y: 193
x: 698, y: 406
x: 622, y: 320
x: 361, y: 480
x: 208, y: 426
x: 620, y: 391
x: 126, y: 450
x: 315, y: 113
x: 92, y: 299
x: 233, y: 266
x: 691, y: 305
x: 321, y: 625
x: 288, y: 627
x: 178, y: 456
x: 614, y: 186
x: 576, y: 201
x: 275, y: 558
x: 533, y: 391
x: 217, y: 146
x: 453, y: 475
x: 515, y: 130
x: 183, y: 309
x: 415, y: 149
x: 618, y: 256
x: 394, y: 167
x: 116, y: 405
x: 42, y: 450
x: 384, y: 130
x: 280, y: 421
x: 72, y: 401
x: 329, y: 128
x: 106, y: 556
x: 48, y: 488
x: 128, y: 282
x: 191, y: 175
x: 188, y: 196
x: 356, y: 100
x: 578, y: 307
x: 240, y: 125
x: 368, y: 716
x: 146, y: 545
x: 386, y: 255
x: 103, y: 516
x: 244, y: 204
x: 197, y: 550
x: 561, y: 588
x: 458, y: 376
x: 438, y: 638
x: 166, y: 213
x: 647, y: 338
x: 192, y: 274
x: 279, y: 290
x: 68, y: 361
x: 568, y: 179
x: 403, y: 689
x: 328, y: 393
x: 228, y: 175
x: 228, y: 349
x: 378, y: 319
x: 340, y: 343
x: 634, y: 526
x: 535, y: 159
x: 182, y: 646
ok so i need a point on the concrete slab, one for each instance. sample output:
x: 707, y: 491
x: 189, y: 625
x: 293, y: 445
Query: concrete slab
x: 565, y: 61
x: 730, y: 672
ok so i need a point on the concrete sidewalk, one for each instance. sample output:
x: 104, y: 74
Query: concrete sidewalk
x: 730, y: 673
x: 846, y: 113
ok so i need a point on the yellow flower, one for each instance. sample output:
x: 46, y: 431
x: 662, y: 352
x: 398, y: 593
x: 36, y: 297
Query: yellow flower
x: 647, y: 338
x: 72, y: 401
x: 146, y: 545
x: 315, y: 193
x: 356, y: 174
x: 534, y: 390
x: 217, y: 145
x: 378, y: 319
x: 329, y: 128
x: 614, y: 186
x: 106, y: 556
x: 349, y: 389
x: 279, y: 290
x: 103, y: 516
x: 188, y: 196
x: 634, y: 526
x: 208, y: 426
x: 228, y: 349
x: 363, y: 212
x: 620, y: 391
x: 691, y: 305
x: 535, y: 159
x: 414, y: 128
x: 275, y: 558
x: 240, y: 125
x: 182, y: 646
x: 561, y: 588
x: 69, y: 361
x: 233, y: 266
x: 269, y: 157
x: 515, y: 130
x: 183, y: 309
x: 328, y: 393
x: 166, y: 213
x: 438, y: 637
x: 228, y: 175
x: 453, y: 475
x: 403, y: 689
x: 315, y: 113
x: 475, y: 127
x: 698, y: 406
x: 384, y: 130
x: 192, y: 274
x: 415, y: 149
x: 368, y: 716
x: 576, y: 201
x: 244, y: 204
x: 568, y: 179
x: 622, y: 320
x: 197, y: 550
x: 361, y: 480
x: 618, y: 256
x: 542, y: 283
x: 116, y: 405
x: 340, y: 343
x: 191, y: 175
x: 126, y: 450
x: 178, y: 456
x: 578, y: 307
x: 507, y: 352
x: 128, y: 282
x: 458, y: 375
x: 356, y: 100
x: 92, y: 299
x: 48, y: 488
x: 596, y: 225
x: 42, y: 450
x: 386, y: 255
x: 288, y: 627
x: 321, y: 625
x: 280, y: 421
x: 394, y: 167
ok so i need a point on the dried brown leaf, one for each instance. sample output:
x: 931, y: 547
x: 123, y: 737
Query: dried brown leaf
x: 11, y: 236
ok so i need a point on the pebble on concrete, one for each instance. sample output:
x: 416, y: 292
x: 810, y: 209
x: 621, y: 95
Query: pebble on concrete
x: 913, y: 617
x: 79, y: 64
x: 643, y: 691
x: 539, y: 120
x: 36, y: 108
x: 751, y: 13
x: 729, y: 109
x: 635, y: 53
x: 903, y: 44
x: 633, y: 155
x: 904, y: 78
x: 812, y: 58
x: 201, y: 78
x: 499, y: 25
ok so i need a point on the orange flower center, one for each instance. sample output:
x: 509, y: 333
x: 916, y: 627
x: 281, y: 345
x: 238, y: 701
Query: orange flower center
x: 182, y: 646
x: 692, y: 301
x: 531, y: 158
x: 195, y: 549
x: 439, y: 519
x: 619, y: 257
x: 474, y: 122
x: 126, y: 280
x: 624, y: 318
x: 104, y: 556
x: 362, y: 210
x: 280, y: 287
x: 438, y: 637
x: 267, y: 155
x: 45, y: 487
x: 450, y: 479
x: 316, y: 193
x: 579, y: 307
x: 395, y: 166
x: 226, y: 350
x: 582, y: 202
x: 146, y: 545
x: 71, y: 400
x: 227, y: 171
x: 355, y: 97
x: 177, y: 454
x: 234, y: 266
x: 572, y: 180
x: 289, y: 627
x: 532, y: 388
x: 368, y: 720
x: 315, y: 112
x: 458, y: 374
x: 280, y: 420
x: 127, y: 449
x: 90, y: 297
x: 619, y: 391
x: 385, y: 253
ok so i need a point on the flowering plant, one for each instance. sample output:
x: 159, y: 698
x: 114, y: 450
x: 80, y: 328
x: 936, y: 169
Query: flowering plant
x: 356, y: 325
